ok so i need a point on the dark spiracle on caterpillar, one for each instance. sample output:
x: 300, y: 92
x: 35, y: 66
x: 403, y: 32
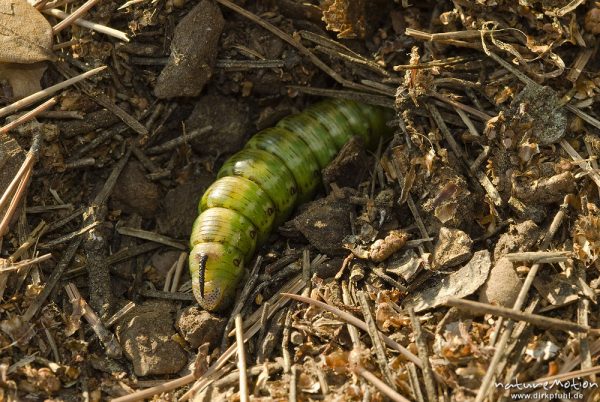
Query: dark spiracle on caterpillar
x: 258, y: 188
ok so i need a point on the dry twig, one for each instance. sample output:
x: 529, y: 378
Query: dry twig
x: 28, y: 100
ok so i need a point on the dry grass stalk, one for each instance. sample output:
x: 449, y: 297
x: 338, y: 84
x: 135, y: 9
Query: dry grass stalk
x: 18, y: 184
x: 108, y: 340
x: 241, y: 301
x: 568, y: 376
x: 28, y: 100
x: 285, y: 343
x: 534, y: 319
x: 583, y: 57
x: 176, y: 142
x: 583, y: 312
x: 377, y: 100
x: 382, y: 360
x: 241, y: 358
x: 65, y: 45
x: 428, y: 377
x: 478, y: 176
x: 413, y: 208
x: 450, y: 38
x: 52, y: 281
x: 28, y: 116
x: 152, y: 236
x: 68, y: 237
x: 380, y: 385
x: 542, y: 257
x: 74, y: 16
x: 115, y: 33
x: 169, y: 277
x: 471, y: 110
x: 293, y: 385
x: 178, y: 271
x: 349, y: 318
x: 352, y: 330
x: 579, y: 160
x: 414, y: 382
x: 8, y: 267
x: 296, y: 44
x: 12, y: 207
x: 119, y: 314
x: 337, y: 49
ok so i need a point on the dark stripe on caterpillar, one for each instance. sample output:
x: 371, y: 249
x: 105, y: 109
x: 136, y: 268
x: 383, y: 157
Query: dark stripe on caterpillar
x: 257, y: 189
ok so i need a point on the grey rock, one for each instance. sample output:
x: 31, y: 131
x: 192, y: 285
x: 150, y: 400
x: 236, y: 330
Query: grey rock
x: 193, y: 52
x: 146, y: 337
x: 325, y: 224
x: 502, y: 286
x: 199, y: 327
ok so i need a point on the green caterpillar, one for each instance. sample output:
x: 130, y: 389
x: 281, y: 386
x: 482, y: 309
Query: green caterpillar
x: 258, y: 188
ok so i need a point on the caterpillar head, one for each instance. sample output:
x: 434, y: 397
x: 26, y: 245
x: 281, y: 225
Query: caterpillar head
x: 216, y: 270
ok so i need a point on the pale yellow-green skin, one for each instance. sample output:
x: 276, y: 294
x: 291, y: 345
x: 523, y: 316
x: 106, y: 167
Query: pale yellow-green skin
x: 258, y: 188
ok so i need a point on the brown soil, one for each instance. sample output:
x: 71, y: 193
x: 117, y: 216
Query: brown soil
x: 486, y: 199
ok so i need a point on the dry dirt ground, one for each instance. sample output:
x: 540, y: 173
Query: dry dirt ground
x: 445, y: 264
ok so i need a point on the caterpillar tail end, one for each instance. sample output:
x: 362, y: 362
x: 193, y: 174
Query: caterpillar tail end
x: 216, y: 270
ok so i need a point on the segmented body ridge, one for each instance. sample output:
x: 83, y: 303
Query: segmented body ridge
x: 257, y: 189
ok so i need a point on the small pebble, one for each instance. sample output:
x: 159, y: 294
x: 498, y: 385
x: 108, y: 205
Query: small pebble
x: 502, y: 286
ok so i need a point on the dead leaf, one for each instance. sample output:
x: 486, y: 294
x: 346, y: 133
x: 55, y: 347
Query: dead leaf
x: 461, y: 283
x: 25, y: 42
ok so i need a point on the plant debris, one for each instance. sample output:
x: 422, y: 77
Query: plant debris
x: 451, y: 261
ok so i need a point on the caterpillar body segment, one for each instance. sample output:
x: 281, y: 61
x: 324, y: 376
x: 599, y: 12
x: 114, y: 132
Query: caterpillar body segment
x: 295, y: 155
x: 257, y: 189
x: 266, y: 170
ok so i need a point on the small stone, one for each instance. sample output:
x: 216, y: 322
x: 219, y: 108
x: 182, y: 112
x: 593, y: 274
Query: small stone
x: 452, y: 248
x: 538, y: 110
x: 193, y: 52
x: 146, y: 337
x: 502, y: 286
x: 325, y: 223
x: 348, y: 168
x: 198, y: 327
x: 135, y: 193
x: 229, y: 119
